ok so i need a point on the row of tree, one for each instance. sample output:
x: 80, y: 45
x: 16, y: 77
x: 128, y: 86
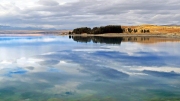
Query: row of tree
x: 108, y: 29
x: 99, y: 30
x: 130, y: 30
x: 82, y: 30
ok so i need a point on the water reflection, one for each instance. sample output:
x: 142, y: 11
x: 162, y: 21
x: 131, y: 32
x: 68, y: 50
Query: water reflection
x: 63, y: 70
x: 118, y: 40
x: 107, y: 40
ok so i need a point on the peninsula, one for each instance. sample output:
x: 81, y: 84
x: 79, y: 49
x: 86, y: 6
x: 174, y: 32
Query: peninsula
x: 138, y: 30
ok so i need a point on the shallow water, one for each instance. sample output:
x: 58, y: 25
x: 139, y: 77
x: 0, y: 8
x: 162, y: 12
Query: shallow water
x: 56, y: 68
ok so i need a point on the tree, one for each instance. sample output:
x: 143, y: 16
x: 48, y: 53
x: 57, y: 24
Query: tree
x: 130, y: 30
x: 144, y: 31
x: 148, y: 31
x: 70, y: 32
x: 99, y: 30
x: 82, y: 30
x: 135, y: 30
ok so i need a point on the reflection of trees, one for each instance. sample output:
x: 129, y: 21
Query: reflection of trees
x: 118, y: 40
x: 82, y: 39
x: 107, y: 40
x: 136, y: 39
x: 110, y: 40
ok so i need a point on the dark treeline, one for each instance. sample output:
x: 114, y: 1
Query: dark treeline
x: 99, y: 30
x: 96, y: 39
x: 82, y: 30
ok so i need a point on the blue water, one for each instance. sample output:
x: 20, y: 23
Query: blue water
x: 56, y: 68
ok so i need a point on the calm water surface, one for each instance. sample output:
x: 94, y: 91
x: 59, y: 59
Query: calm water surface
x: 55, y: 68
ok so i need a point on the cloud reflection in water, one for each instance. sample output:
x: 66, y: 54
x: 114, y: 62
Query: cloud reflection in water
x: 62, y: 68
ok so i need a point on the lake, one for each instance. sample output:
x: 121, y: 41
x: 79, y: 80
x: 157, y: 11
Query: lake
x: 74, y: 68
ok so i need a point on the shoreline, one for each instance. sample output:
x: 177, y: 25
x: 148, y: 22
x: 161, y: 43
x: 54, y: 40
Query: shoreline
x: 167, y: 35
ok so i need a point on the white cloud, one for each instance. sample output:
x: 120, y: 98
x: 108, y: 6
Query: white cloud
x: 75, y: 13
x: 48, y: 3
x: 6, y: 62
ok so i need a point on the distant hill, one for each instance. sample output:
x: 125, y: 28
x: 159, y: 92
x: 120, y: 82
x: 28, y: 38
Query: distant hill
x: 2, y: 27
x: 171, y: 25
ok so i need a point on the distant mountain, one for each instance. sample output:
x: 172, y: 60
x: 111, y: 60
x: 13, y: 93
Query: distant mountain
x: 171, y: 25
x: 23, y: 28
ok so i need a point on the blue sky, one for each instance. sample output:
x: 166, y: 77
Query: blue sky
x: 69, y: 14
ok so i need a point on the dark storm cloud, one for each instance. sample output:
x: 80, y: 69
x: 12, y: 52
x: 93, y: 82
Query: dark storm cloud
x: 49, y: 62
x: 30, y: 68
x: 94, y: 13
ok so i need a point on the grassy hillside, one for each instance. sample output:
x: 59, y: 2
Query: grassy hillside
x: 154, y: 29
